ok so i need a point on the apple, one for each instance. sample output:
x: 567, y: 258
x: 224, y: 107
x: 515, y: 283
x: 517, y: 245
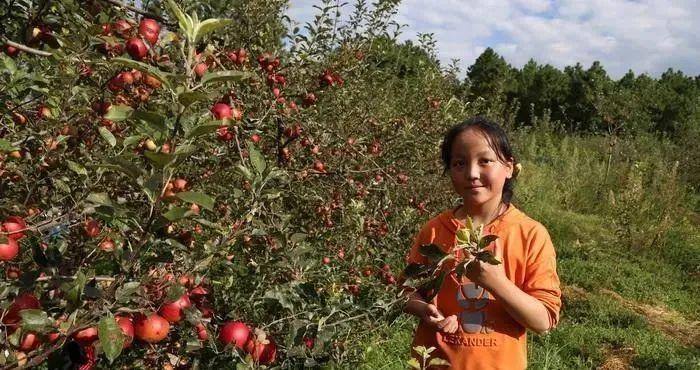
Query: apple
x: 14, y: 226
x: 319, y: 166
x: 136, y: 48
x: 263, y: 352
x: 24, y: 301
x: 11, y: 51
x: 43, y: 112
x: 201, y: 330
x: 29, y: 342
x: 309, y: 99
x: 200, y: 69
x: 152, y: 328
x: 9, y: 248
x: 122, y: 27
x: 235, y: 333
x: 151, y: 81
x: 86, y: 336
x: 255, y: 138
x: 221, y: 111
x: 149, y: 29
x: 127, y: 327
x: 180, y: 184
x: 172, y: 311
x: 91, y: 228
x: 107, y: 244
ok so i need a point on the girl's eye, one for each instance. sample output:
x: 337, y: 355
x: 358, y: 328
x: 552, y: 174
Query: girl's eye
x: 458, y: 164
x: 486, y: 160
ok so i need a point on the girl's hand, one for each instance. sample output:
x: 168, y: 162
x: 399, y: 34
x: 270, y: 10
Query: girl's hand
x: 449, y: 325
x: 486, y: 274
x: 432, y: 315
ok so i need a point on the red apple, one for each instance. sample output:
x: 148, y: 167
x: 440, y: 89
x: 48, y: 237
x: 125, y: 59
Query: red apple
x: 43, y: 112
x: 136, y: 48
x: 11, y: 51
x: 91, y: 228
x: 221, y: 111
x: 9, y: 248
x: 235, y: 333
x: 149, y: 29
x: 173, y: 311
x: 24, y: 301
x: 263, y: 352
x: 86, y: 336
x: 152, y: 328
x: 200, y: 69
x: 127, y: 327
x: 122, y: 27
x: 14, y: 226
x: 29, y: 342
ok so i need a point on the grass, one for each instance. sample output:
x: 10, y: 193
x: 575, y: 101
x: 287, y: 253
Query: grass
x: 594, y: 258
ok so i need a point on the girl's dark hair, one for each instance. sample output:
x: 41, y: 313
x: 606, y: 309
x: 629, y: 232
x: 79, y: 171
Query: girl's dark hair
x: 497, y: 139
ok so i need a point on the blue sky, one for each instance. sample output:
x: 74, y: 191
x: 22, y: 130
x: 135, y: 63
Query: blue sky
x: 647, y: 36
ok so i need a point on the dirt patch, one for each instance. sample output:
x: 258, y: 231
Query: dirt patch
x: 665, y: 320
x: 618, y: 359
x: 669, y: 322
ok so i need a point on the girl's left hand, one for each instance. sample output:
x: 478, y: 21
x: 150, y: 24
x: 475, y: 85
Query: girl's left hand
x: 486, y: 274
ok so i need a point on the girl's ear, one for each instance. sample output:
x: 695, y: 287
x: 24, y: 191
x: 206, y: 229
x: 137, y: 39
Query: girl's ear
x: 510, y: 164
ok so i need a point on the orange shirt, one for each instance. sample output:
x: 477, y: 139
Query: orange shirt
x: 488, y: 337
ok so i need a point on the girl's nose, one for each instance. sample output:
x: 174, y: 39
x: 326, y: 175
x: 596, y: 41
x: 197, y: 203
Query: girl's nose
x: 473, y: 172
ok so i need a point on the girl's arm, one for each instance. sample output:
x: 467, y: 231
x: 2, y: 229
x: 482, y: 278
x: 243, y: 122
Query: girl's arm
x: 523, y: 307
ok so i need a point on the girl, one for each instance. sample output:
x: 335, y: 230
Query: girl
x: 480, y: 321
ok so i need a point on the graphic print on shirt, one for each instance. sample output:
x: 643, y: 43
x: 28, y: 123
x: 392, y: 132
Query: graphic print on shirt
x: 473, y: 299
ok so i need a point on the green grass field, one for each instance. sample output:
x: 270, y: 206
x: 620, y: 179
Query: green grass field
x: 629, y: 260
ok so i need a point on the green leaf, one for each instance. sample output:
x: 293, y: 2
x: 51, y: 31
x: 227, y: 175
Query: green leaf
x: 155, y: 72
x: 487, y: 257
x: 438, y: 362
x: 34, y: 320
x: 159, y: 159
x: 124, y: 292
x: 183, y: 21
x: 153, y: 120
x: 204, y: 129
x: 257, y: 159
x: 10, y: 65
x: 414, y: 270
x: 486, y: 240
x: 73, y: 290
x: 6, y: 146
x: 203, y: 264
x: 462, y: 236
x: 432, y: 251
x: 413, y: 363
x: 153, y: 186
x: 188, y: 98
x: 243, y: 170
x: 175, y: 213
x: 119, y: 113
x: 100, y: 199
x: 107, y: 135
x: 77, y: 168
x: 210, y: 25
x: 175, y: 292
x: 125, y: 166
x: 222, y: 76
x: 201, y: 199
x: 111, y: 337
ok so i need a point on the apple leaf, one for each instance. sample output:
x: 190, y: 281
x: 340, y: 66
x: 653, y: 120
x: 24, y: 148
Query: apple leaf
x: 6, y: 146
x: 432, y: 251
x: 111, y: 337
x: 210, y: 25
x: 107, y: 135
x: 486, y: 240
x: 413, y: 363
x: 175, y: 213
x: 159, y: 159
x: 201, y: 199
x: 77, y: 168
x: 190, y: 97
x: 257, y: 159
x: 119, y: 113
x: 34, y: 320
x: 438, y: 362
x: 183, y: 21
x: 203, y: 129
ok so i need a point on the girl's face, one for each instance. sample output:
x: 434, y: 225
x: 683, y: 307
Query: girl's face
x: 476, y: 172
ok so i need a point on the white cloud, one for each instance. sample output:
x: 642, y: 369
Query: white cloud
x: 647, y: 36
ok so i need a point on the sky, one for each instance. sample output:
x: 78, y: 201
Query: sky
x: 646, y: 36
